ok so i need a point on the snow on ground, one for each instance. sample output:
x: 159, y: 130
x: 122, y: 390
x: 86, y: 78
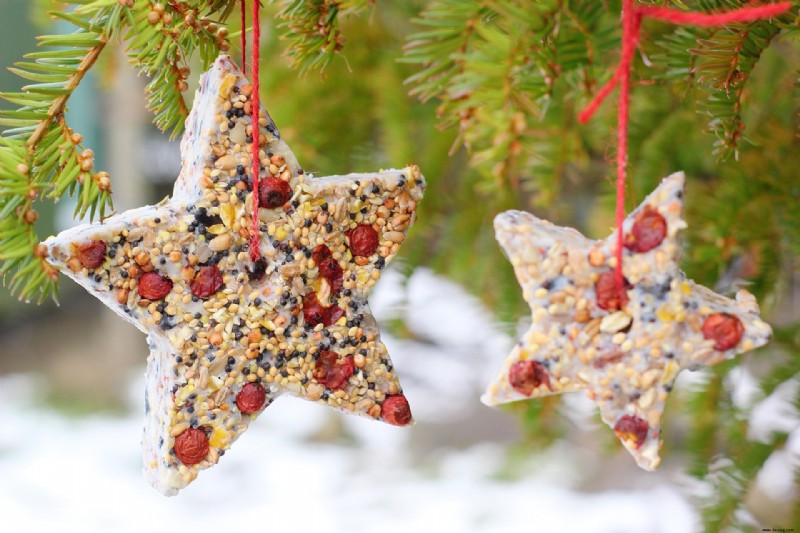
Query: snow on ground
x: 83, y: 474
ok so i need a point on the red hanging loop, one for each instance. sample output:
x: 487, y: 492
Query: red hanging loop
x: 255, y: 112
x: 631, y: 23
x: 243, y: 37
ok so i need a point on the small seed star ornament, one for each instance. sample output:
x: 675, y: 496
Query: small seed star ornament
x: 623, y: 348
x: 229, y: 334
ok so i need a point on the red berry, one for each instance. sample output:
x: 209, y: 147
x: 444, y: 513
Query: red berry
x: 329, y: 268
x: 92, y: 254
x: 331, y: 372
x: 154, y: 286
x: 273, y: 193
x: 525, y: 376
x: 207, y: 281
x: 632, y: 429
x: 396, y: 411
x: 191, y: 446
x: 363, y: 240
x: 609, y: 296
x: 251, y: 398
x: 725, y: 329
x: 648, y: 231
x: 316, y: 313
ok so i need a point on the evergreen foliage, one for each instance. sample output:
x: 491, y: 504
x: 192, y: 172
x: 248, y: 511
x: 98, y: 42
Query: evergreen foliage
x: 505, y: 79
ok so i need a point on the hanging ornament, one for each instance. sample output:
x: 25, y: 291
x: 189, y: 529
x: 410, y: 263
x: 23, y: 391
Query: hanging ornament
x: 230, y: 327
x: 617, y: 318
x: 623, y: 348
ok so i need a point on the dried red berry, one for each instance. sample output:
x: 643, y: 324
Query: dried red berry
x: 332, y: 372
x: 363, y: 240
x: 609, y: 296
x: 154, y: 286
x: 725, y: 329
x: 632, y: 429
x: 316, y: 313
x: 329, y: 268
x: 396, y: 411
x: 273, y: 193
x: 191, y: 446
x: 207, y: 281
x: 524, y: 376
x: 92, y: 254
x: 251, y: 398
x: 648, y: 231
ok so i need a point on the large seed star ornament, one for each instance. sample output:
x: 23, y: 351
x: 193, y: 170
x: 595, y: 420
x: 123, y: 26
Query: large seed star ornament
x: 623, y: 348
x: 228, y: 334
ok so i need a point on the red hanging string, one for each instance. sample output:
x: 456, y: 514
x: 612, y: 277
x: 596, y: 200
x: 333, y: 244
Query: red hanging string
x: 243, y: 38
x: 631, y: 23
x: 255, y: 252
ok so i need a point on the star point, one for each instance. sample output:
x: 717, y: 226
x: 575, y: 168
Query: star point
x: 228, y: 335
x: 623, y: 350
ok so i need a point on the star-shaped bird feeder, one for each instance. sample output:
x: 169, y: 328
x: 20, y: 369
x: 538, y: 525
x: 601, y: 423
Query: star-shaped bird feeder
x: 623, y: 348
x: 228, y: 334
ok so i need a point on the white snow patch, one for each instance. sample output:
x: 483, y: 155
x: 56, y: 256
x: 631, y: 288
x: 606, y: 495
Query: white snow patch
x: 776, y: 413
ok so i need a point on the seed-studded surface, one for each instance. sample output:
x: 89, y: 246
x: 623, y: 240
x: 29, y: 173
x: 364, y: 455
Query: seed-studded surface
x: 623, y: 348
x: 228, y: 335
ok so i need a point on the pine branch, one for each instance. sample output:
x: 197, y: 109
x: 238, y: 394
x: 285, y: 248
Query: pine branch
x: 493, y: 65
x: 725, y: 64
x: 161, y: 40
x: 312, y: 29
